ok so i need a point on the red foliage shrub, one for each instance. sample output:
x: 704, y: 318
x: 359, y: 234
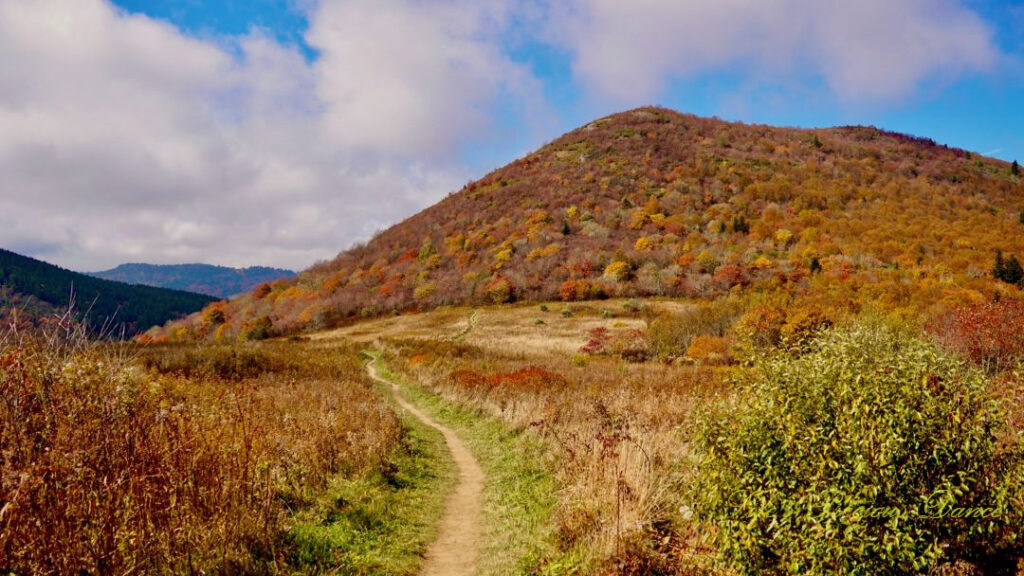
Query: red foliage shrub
x: 989, y: 334
x: 599, y: 339
x: 575, y: 290
x: 731, y: 275
x: 499, y: 290
x: 530, y: 378
x: 261, y: 291
x: 468, y: 379
x: 407, y: 257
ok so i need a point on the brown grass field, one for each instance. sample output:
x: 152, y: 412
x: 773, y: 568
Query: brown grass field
x: 620, y: 430
x: 178, y: 460
x: 223, y: 459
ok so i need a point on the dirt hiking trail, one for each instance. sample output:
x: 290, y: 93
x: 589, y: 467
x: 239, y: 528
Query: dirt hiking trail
x: 454, y: 552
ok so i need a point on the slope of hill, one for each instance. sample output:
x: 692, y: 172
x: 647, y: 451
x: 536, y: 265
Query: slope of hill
x: 219, y: 281
x: 652, y: 202
x: 36, y: 289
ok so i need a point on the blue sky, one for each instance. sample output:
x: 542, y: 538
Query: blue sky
x: 979, y: 112
x: 278, y: 132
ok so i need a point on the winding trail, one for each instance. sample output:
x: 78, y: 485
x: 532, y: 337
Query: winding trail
x: 454, y: 552
x: 470, y: 324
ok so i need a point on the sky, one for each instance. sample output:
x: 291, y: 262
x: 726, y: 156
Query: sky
x: 280, y: 132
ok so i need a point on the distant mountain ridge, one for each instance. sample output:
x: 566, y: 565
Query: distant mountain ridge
x: 219, y: 281
x: 37, y: 289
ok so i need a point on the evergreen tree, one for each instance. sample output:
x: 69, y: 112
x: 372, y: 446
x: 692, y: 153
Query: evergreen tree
x: 999, y: 268
x: 1015, y: 168
x: 566, y: 230
x: 815, y: 265
x: 1008, y: 269
x: 1012, y: 271
x: 740, y: 224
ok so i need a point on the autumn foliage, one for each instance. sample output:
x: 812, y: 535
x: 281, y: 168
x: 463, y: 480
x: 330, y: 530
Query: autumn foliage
x: 530, y: 379
x: 989, y: 334
x: 650, y: 202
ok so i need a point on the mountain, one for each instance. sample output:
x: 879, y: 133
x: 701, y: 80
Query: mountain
x: 219, y: 281
x: 37, y: 290
x: 652, y: 202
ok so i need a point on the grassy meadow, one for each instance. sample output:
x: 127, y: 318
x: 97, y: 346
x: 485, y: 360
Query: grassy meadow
x: 646, y: 406
x: 617, y: 437
x: 260, y: 459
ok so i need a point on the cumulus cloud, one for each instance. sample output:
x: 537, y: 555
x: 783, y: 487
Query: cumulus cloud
x: 869, y: 50
x: 410, y: 77
x: 124, y: 139
x: 121, y: 138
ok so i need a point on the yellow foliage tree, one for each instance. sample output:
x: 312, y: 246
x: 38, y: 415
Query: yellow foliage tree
x: 423, y: 291
x: 707, y: 262
x: 645, y: 243
x: 617, y: 271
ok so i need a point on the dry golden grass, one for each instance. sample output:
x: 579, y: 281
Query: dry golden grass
x: 620, y: 429
x: 440, y: 323
x: 190, y: 465
x: 562, y: 327
x: 617, y: 428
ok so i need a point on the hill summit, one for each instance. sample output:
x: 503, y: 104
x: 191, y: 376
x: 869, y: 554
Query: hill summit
x: 651, y: 202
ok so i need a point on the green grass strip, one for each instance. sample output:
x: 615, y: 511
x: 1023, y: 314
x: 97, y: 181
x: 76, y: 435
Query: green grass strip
x: 519, y: 493
x: 382, y: 523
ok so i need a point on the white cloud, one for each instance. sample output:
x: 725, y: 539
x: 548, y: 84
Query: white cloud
x: 410, y: 77
x: 868, y: 50
x: 121, y: 138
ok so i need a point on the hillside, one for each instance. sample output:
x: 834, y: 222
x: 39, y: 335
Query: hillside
x: 219, y: 281
x: 651, y: 202
x: 37, y: 289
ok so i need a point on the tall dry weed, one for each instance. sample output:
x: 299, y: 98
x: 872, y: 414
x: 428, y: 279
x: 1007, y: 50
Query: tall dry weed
x: 110, y: 467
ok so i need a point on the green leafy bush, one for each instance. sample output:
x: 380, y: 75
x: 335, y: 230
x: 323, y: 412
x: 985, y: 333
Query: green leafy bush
x: 861, y: 457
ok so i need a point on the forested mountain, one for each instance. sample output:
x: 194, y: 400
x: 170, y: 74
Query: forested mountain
x: 652, y: 202
x: 219, y: 281
x: 37, y: 289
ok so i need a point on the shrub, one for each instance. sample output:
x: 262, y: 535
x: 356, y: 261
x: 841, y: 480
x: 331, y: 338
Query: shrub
x: 858, y: 458
x: 633, y: 306
x: 618, y: 271
x: 213, y: 315
x: 781, y: 324
x: 710, y: 350
x: 575, y: 290
x: 669, y: 336
x: 259, y: 329
x: 597, y: 340
x: 989, y: 334
x: 630, y: 346
x: 499, y: 290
